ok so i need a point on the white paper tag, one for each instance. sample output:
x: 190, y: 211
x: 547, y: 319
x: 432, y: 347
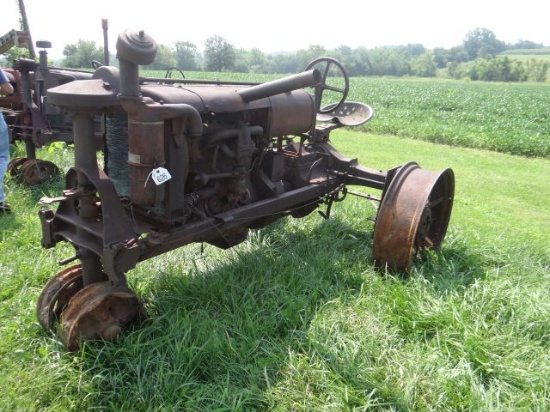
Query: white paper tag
x: 160, y: 175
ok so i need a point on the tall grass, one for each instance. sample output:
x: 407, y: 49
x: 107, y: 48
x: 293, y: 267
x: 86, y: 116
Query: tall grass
x: 297, y: 319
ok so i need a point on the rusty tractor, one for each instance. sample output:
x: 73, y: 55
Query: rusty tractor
x: 198, y: 161
x: 33, y: 120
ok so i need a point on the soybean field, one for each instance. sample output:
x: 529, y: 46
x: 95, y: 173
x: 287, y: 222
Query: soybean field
x: 504, y: 117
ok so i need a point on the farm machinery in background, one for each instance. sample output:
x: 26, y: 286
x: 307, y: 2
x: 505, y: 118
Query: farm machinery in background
x: 30, y: 117
x: 198, y: 161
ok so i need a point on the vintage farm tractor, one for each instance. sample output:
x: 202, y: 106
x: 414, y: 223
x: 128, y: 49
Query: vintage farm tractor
x: 33, y: 120
x: 198, y: 161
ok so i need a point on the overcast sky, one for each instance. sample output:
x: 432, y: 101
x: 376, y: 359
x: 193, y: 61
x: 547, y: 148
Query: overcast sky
x: 282, y: 25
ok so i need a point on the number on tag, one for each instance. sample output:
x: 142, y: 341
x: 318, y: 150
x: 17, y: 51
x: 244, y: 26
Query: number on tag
x: 160, y: 175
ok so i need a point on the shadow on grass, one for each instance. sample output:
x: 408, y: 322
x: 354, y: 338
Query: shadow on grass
x: 218, y: 335
x: 221, y: 330
x: 456, y: 266
x: 53, y: 187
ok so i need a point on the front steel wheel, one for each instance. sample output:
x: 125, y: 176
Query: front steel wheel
x: 100, y: 311
x: 56, y: 294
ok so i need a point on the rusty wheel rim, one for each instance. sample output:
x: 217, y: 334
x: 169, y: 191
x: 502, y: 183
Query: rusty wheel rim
x: 14, y: 166
x: 56, y: 294
x: 413, y: 216
x: 99, y: 311
x: 36, y: 171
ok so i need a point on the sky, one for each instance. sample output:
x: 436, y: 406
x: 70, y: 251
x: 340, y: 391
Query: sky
x: 281, y: 25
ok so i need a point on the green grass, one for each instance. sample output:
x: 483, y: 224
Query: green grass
x: 530, y: 53
x: 506, y: 117
x: 275, y: 325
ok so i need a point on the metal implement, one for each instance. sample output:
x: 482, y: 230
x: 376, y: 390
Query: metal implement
x: 33, y: 120
x: 30, y: 117
x: 203, y: 161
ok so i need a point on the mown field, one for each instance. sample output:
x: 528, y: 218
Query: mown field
x: 296, y: 318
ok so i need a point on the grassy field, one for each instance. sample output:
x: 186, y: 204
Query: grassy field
x: 274, y: 325
x: 297, y: 319
x: 528, y: 57
x: 542, y: 53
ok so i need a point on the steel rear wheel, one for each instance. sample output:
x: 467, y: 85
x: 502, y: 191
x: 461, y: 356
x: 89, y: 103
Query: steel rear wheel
x: 413, y: 216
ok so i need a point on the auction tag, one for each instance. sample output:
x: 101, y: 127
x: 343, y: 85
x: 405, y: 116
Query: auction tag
x: 160, y: 175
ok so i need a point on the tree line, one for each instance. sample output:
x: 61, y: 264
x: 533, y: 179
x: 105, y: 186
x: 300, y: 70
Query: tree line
x: 477, y: 58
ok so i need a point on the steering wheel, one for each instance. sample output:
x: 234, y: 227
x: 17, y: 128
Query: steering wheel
x: 96, y: 64
x: 325, y: 65
x: 171, y: 70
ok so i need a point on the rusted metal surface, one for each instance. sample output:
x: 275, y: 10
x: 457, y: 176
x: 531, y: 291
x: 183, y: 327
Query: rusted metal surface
x: 36, y: 171
x: 56, y: 294
x: 31, y: 118
x: 14, y: 166
x: 99, y: 311
x: 146, y: 153
x: 413, y: 216
x: 208, y: 162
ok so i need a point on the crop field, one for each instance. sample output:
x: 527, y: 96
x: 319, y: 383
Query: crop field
x: 528, y: 57
x: 296, y: 318
x: 504, y: 117
x: 542, y: 53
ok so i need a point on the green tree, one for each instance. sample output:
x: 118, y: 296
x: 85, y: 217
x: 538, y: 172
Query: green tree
x: 504, y: 69
x: 305, y: 57
x: 483, y: 43
x: 458, y: 54
x: 219, y: 55
x: 497, y: 69
x: 257, y: 61
x: 165, y: 58
x: 442, y: 57
x: 356, y: 61
x: 526, y: 44
x: 537, y: 70
x: 519, y: 72
x: 81, y: 54
x: 423, y: 65
x: 241, y: 64
x: 415, y: 49
x: 284, y: 63
x: 15, y: 53
x: 187, y: 57
x: 388, y: 61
